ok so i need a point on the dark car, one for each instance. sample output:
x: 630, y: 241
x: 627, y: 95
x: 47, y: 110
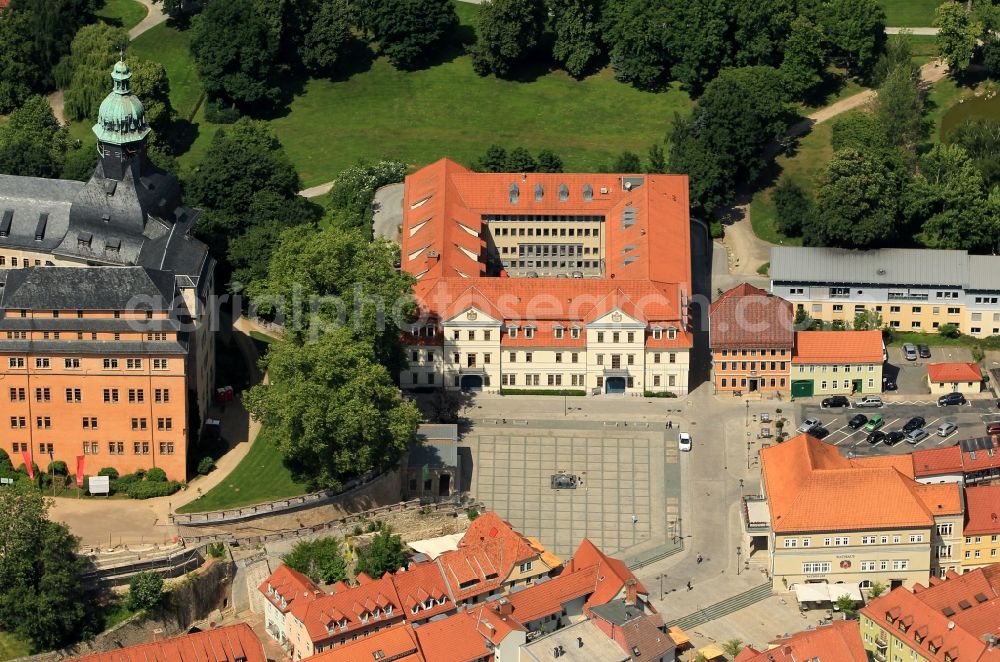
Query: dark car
x: 924, y: 351
x: 888, y: 384
x: 894, y: 437
x: 819, y: 432
x: 876, y: 437
x: 857, y: 421
x: 836, y: 401
x: 953, y: 398
x: 993, y: 428
x: 914, y: 423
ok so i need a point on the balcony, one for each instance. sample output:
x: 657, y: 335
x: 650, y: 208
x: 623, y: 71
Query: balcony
x: 756, y: 514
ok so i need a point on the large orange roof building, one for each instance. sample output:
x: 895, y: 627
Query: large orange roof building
x: 548, y: 280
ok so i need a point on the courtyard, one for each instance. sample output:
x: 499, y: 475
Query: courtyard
x: 628, y: 493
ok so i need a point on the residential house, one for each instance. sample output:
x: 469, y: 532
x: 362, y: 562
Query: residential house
x: 395, y: 644
x: 547, y: 281
x: 816, y: 530
x: 909, y: 289
x: 948, y: 620
x: 836, y: 363
x: 964, y: 378
x: 751, y: 336
x: 840, y: 641
x: 232, y: 643
x: 982, y: 527
x: 970, y: 461
x: 475, y: 634
x: 280, y: 591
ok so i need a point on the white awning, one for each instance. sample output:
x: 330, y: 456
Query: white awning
x: 827, y: 592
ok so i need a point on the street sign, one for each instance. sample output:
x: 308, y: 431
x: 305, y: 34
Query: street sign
x: 99, y: 485
x: 6, y: 481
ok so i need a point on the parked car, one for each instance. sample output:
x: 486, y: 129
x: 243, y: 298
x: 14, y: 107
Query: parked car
x: 888, y: 384
x: 909, y: 351
x: 893, y: 438
x: 876, y: 437
x: 914, y: 423
x: 993, y: 428
x: 819, y: 432
x: 924, y: 351
x: 684, y: 441
x: 809, y: 424
x: 953, y: 398
x: 874, y: 423
x: 916, y: 436
x: 857, y: 421
x: 945, y: 429
x: 872, y: 401
x: 836, y: 401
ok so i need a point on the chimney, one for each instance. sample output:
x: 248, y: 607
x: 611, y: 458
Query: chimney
x: 631, y: 592
x: 504, y: 607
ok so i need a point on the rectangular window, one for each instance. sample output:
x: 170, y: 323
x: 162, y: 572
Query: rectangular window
x: 159, y: 364
x: 137, y: 395
x: 42, y: 363
x: 73, y: 395
x: 72, y: 364
x: 110, y: 364
x: 791, y: 542
x: 138, y: 423
x: 164, y: 424
x: 111, y: 395
x: 813, y: 568
x: 89, y: 422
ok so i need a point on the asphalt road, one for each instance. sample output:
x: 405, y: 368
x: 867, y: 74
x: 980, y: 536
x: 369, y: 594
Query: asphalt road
x: 970, y: 419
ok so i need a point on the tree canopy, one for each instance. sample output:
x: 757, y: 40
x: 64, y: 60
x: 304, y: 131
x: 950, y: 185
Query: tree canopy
x: 383, y: 554
x: 857, y: 202
x: 577, y: 28
x: 32, y: 143
x: 958, y: 31
x: 320, y: 559
x: 409, y: 32
x: 508, y: 31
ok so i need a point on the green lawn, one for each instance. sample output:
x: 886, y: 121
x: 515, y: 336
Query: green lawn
x: 900, y: 337
x: 11, y: 647
x: 169, y: 46
x: 803, y: 166
x: 910, y: 13
x: 261, y: 476
x: 446, y: 110
x: 122, y: 13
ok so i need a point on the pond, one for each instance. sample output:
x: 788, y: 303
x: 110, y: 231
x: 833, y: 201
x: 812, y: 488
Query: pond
x: 978, y: 107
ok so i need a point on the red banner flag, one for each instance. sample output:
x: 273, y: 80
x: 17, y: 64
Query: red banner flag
x: 79, y: 471
x: 27, y: 463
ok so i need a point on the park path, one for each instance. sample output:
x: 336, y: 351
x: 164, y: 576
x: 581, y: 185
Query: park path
x: 318, y: 190
x: 747, y: 251
x: 154, y: 16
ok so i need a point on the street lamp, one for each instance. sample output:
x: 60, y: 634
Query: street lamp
x: 748, y: 413
x: 739, y: 553
x: 741, y: 486
x: 673, y: 531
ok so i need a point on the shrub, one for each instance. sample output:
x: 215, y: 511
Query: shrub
x: 217, y: 550
x: 472, y: 513
x: 717, y: 230
x: 149, y: 490
x: 658, y: 394
x: 156, y: 475
x: 978, y: 354
x: 145, y: 591
x: 205, y: 466
x: 217, y: 113
x: 358, y: 530
x: 59, y: 468
x: 110, y: 472
x: 373, y: 526
x: 21, y: 468
x: 949, y: 331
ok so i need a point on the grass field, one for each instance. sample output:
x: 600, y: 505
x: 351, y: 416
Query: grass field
x: 12, y: 647
x: 261, y: 476
x: 802, y: 166
x: 910, y: 13
x: 122, y: 13
x: 445, y: 110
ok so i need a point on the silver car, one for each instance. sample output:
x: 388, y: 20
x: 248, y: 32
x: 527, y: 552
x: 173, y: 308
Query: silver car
x: 945, y: 429
x: 916, y: 436
x: 909, y: 351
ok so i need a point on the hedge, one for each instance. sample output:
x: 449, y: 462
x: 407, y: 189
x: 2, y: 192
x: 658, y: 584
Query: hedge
x: 147, y: 489
x: 533, y: 391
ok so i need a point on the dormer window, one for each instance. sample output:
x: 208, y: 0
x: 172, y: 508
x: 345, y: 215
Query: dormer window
x: 657, y: 333
x: 529, y: 332
x: 671, y: 333
x: 270, y: 590
x: 284, y: 603
x: 429, y: 604
x: 431, y: 330
x: 441, y: 600
x: 889, y: 618
x: 574, y: 333
x: 364, y: 617
x: 388, y: 611
x: 559, y: 333
x: 415, y: 608
x: 512, y: 331
x: 343, y: 624
x: 376, y: 613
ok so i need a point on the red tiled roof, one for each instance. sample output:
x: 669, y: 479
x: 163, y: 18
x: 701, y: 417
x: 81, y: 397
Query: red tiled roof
x: 838, y: 347
x: 612, y: 575
x: 226, y: 644
x: 810, y: 487
x: 453, y: 639
x: 398, y: 643
x: 548, y: 597
x: 936, y: 461
x: 749, y: 317
x: 972, y: 601
x: 350, y: 605
x: 946, y: 373
x: 288, y: 585
x: 840, y: 641
x: 982, y: 510
x: 418, y: 584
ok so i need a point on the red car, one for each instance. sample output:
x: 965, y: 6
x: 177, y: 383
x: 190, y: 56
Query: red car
x: 993, y: 428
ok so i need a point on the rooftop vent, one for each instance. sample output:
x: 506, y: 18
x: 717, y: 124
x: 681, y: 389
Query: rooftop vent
x: 514, y: 193
x: 588, y: 193
x: 628, y: 217
x: 965, y: 604
x: 539, y: 192
x: 8, y: 215
x: 106, y: 218
x: 83, y: 239
x: 109, y: 187
x: 563, y: 193
x: 948, y: 611
x: 980, y: 598
x: 113, y: 245
x: 881, y: 272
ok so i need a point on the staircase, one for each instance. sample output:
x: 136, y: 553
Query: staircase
x: 727, y: 606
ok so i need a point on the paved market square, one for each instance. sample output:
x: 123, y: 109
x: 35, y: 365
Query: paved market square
x: 627, y: 500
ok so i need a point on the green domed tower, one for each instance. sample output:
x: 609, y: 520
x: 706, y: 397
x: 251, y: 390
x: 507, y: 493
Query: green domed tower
x: 121, y: 127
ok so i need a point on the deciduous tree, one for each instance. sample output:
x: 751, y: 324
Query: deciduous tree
x: 320, y: 559
x: 145, y: 590
x: 856, y: 30
x: 549, y: 161
x: 384, y: 554
x: 328, y: 37
x: 856, y: 203
x: 576, y: 24
x: 958, y: 31
x: 793, y: 207
x: 804, y: 61
x: 408, y: 31
x: 633, y: 31
x: 32, y: 143
x: 508, y: 31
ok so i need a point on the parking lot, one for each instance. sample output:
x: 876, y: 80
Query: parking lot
x: 971, y: 420
x: 911, y: 376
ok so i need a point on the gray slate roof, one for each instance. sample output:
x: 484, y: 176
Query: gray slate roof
x: 984, y: 272
x: 87, y: 288
x: 887, y: 266
x: 78, y: 347
x: 24, y: 199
